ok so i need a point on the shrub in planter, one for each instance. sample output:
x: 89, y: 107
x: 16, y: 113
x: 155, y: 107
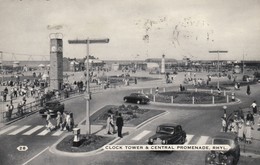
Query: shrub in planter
x: 135, y: 107
x: 134, y: 116
x: 130, y: 112
x: 129, y: 107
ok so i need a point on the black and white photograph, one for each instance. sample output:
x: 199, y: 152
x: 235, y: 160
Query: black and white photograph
x: 130, y: 82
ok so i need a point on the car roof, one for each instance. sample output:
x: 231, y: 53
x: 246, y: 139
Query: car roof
x: 225, y: 135
x: 168, y: 125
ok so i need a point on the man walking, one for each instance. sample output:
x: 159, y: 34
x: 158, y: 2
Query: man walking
x: 119, y: 124
x: 254, y: 106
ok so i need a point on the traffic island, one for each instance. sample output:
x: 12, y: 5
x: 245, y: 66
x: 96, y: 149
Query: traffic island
x: 132, y: 114
x: 188, y: 97
x: 87, y: 143
x: 91, y: 144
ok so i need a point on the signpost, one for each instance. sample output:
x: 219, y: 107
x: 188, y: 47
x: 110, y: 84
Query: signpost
x: 87, y: 94
x: 218, y: 51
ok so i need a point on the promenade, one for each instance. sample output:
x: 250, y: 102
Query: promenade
x: 246, y: 149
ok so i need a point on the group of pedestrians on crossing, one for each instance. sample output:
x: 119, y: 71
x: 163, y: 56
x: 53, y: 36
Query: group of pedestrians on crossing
x: 64, y: 122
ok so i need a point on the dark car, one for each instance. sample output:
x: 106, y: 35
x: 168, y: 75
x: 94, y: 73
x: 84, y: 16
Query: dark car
x: 52, y: 107
x: 229, y: 157
x: 168, y: 134
x: 138, y: 98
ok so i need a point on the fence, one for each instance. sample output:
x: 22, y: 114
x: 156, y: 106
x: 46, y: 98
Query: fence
x: 35, y: 105
x: 217, y: 97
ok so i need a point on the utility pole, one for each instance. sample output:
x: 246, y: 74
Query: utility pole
x: 243, y: 63
x: 2, y: 72
x: 87, y: 94
x: 218, y: 51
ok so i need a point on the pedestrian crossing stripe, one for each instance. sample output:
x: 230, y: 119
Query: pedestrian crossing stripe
x: 57, y: 133
x: 44, y: 132
x: 19, y: 130
x: 202, y: 140
x: 33, y: 130
x: 188, y: 139
x: 15, y: 130
x: 8, y: 129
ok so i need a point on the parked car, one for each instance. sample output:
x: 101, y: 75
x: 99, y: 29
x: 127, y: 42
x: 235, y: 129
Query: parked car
x: 168, y: 134
x: 138, y: 98
x: 52, y: 107
x: 229, y: 157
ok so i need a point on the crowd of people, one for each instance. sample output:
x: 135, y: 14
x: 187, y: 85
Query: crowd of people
x: 240, y: 124
x: 64, y: 122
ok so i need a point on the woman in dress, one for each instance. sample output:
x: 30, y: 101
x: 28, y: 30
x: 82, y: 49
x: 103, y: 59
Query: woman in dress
x: 241, y: 126
x: 248, y: 132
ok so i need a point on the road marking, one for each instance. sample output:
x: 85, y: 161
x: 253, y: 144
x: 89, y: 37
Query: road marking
x: 33, y: 130
x: 45, y: 132
x: 19, y: 130
x: 188, y: 139
x: 8, y: 129
x: 202, y: 140
x: 141, y: 135
x: 35, y: 156
x: 57, y: 133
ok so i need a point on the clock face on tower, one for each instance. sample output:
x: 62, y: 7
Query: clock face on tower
x: 53, y: 49
x: 59, y: 49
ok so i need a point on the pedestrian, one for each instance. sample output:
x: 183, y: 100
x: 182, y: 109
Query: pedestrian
x: 48, y: 118
x: 181, y: 87
x: 232, y: 125
x: 233, y: 98
x: 59, y: 120
x: 7, y: 112
x: 250, y: 118
x: 241, y: 127
x: 254, y: 106
x: 4, y: 96
x: 157, y: 90
x: 248, y: 132
x: 224, y: 124
x: 63, y: 125
x: 68, y: 122
x: 248, y: 92
x: 236, y: 121
x: 135, y: 80
x: 71, y: 121
x: 119, y: 124
x: 24, y: 99
x: 219, y: 91
x: 108, y: 124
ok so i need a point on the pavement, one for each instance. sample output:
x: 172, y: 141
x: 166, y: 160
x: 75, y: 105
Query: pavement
x: 251, y: 150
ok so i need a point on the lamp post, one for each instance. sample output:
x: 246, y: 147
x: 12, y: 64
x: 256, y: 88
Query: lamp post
x: 218, y: 51
x: 2, y: 69
x: 87, y: 94
x: 243, y: 64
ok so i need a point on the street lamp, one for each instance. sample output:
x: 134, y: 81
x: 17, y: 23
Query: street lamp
x: 2, y: 69
x: 87, y: 94
x: 218, y: 51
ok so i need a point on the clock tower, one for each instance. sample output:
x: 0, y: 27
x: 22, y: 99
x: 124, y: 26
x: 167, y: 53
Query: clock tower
x: 56, y: 61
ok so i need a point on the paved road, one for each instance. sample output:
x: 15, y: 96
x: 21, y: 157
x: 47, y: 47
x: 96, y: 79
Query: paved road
x: 199, y: 123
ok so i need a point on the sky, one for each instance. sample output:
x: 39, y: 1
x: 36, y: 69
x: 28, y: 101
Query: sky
x: 137, y: 29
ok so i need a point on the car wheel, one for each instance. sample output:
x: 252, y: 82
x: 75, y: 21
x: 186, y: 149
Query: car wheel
x: 230, y: 160
x: 138, y: 102
x: 125, y: 100
x: 183, y: 140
